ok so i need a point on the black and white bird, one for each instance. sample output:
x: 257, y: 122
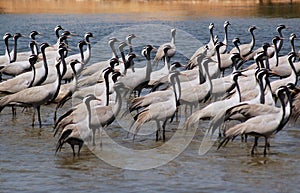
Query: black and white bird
x: 264, y: 125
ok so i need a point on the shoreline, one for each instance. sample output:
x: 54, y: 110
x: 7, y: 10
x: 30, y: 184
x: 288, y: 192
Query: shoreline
x: 177, y: 8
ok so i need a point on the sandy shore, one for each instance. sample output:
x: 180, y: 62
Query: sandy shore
x: 216, y: 8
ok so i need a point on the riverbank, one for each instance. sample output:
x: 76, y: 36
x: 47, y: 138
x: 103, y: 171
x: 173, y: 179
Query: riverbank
x: 215, y: 8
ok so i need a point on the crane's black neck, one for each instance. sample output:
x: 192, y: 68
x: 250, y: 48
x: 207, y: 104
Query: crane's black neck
x: 44, y: 77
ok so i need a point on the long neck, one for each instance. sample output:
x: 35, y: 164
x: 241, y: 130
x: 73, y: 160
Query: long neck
x: 56, y: 45
x: 293, y: 76
x: 129, y: 64
x: 257, y: 63
x: 15, y: 50
x: 123, y: 55
x: 260, y: 64
x: 148, y: 67
x: 118, y: 104
x: 36, y: 49
x: 173, y: 38
x: 106, y: 88
x: 276, y: 53
x: 74, y: 81
x: 236, y: 63
x: 252, y: 40
x: 259, y: 90
x: 225, y: 41
x: 201, y: 71
x: 219, y: 58
x: 88, y: 117
x: 130, y: 46
x: 279, y: 42
x: 176, y: 87
x: 292, y: 45
x: 207, y: 78
x: 166, y: 62
x: 32, y: 48
x: 267, y: 63
x: 45, y: 66
x: 87, y: 54
x: 114, y: 52
x: 124, y: 60
x: 211, y: 39
x: 262, y: 93
x: 33, y: 76
x: 268, y: 96
x: 64, y: 67
x: 237, y: 47
x: 57, y: 84
x: 7, y: 50
x: 285, y: 113
x: 238, y: 91
x: 57, y: 34
x: 81, y: 53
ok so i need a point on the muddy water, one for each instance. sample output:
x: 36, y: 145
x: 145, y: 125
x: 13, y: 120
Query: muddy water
x: 28, y: 162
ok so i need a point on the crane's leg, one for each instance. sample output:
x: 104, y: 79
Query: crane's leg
x: 55, y: 114
x: 14, y: 111
x: 100, y: 131
x: 266, y: 145
x: 39, y: 115
x: 72, y: 146
x: 33, y: 118
x: 158, y: 130
x: 79, y: 148
x: 94, y: 133
x: 164, y: 129
x: 254, y: 145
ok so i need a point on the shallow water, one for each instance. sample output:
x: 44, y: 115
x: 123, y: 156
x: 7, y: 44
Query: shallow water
x: 28, y: 162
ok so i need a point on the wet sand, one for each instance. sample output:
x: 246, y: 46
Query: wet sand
x: 212, y: 8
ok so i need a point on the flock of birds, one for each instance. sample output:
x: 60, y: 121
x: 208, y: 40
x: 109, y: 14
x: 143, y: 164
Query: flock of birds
x: 49, y: 74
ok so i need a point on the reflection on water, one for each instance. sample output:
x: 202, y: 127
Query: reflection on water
x: 162, y: 9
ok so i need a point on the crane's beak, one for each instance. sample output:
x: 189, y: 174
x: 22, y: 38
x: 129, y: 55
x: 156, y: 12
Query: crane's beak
x: 125, y: 43
x: 73, y: 34
x: 117, y: 40
x: 272, y: 73
x: 293, y: 91
x: 184, y: 66
x: 98, y: 99
x: 243, y: 75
